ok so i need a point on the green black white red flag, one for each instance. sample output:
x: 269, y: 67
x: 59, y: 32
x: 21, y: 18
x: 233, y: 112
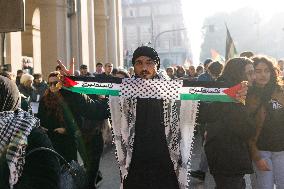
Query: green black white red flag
x: 231, y: 50
x: 153, y: 88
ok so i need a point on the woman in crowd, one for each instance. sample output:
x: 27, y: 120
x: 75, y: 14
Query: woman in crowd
x: 19, y: 134
x: 61, y: 112
x: 53, y: 114
x: 266, y: 102
x: 229, y: 130
x: 26, y: 87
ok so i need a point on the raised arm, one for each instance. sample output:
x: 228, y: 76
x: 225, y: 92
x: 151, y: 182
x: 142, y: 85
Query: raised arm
x: 85, y: 106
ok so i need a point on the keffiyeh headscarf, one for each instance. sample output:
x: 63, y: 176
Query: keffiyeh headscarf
x: 15, y: 127
x: 9, y: 95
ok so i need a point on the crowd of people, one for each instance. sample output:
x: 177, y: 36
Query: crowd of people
x: 238, y: 138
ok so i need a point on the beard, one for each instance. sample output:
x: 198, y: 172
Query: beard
x: 145, y: 75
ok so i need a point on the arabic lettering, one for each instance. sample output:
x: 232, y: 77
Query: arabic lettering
x: 94, y: 84
x: 204, y: 90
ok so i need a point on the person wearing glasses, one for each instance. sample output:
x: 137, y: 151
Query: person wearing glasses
x: 60, y: 113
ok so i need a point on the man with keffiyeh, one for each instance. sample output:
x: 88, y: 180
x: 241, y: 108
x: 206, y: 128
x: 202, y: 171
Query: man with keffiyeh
x: 152, y: 135
x: 152, y: 131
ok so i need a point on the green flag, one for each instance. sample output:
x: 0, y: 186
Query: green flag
x: 231, y: 51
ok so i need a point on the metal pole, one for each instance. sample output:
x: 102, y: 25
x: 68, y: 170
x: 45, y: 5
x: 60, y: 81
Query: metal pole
x: 167, y: 31
x: 152, y: 26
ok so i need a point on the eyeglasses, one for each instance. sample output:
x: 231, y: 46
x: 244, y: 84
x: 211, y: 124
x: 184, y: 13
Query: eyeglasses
x: 52, y: 83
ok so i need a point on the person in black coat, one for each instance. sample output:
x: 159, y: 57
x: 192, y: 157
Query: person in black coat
x: 61, y: 112
x: 229, y: 130
x: 19, y: 134
x: 151, y: 166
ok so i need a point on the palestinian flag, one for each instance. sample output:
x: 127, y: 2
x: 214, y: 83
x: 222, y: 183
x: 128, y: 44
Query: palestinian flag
x: 89, y: 85
x: 208, y: 91
x: 153, y: 88
x: 231, y: 51
x: 209, y: 94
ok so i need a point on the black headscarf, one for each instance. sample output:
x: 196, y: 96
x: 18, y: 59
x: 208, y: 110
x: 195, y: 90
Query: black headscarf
x: 146, y: 51
x: 9, y: 95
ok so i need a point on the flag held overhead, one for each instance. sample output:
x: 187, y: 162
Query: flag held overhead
x: 231, y: 50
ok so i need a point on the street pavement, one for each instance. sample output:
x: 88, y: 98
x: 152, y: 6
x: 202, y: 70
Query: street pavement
x: 111, y: 179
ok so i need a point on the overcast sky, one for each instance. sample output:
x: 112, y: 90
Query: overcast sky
x: 196, y: 10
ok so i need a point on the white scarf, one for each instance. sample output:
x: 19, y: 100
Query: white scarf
x: 179, y: 120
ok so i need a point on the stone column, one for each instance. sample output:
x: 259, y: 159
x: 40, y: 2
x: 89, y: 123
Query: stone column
x: 49, y: 41
x: 119, y: 33
x: 101, y: 19
x: 84, y: 24
x: 112, y: 36
x: 73, y: 38
x: 14, y: 51
x: 61, y: 30
x: 36, y: 41
x: 91, y: 32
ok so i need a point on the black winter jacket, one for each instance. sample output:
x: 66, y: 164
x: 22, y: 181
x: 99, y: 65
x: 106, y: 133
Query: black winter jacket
x: 75, y: 106
x: 41, y: 169
x: 228, y: 131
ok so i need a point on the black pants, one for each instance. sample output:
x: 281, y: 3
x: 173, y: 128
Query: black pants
x: 91, y: 151
x: 229, y: 182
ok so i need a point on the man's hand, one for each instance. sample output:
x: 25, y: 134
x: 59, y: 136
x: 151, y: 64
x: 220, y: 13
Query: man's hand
x: 64, y: 70
x: 60, y: 130
x: 242, y: 93
x: 101, y: 96
x: 262, y: 165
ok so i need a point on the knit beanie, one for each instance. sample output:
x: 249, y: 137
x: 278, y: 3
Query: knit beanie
x: 146, y: 51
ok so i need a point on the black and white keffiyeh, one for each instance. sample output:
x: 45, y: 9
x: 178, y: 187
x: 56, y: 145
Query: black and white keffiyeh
x: 179, y: 121
x: 15, y: 127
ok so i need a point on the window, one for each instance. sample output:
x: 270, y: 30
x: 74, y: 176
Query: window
x: 145, y: 33
x: 132, y: 37
x: 145, y: 11
x: 165, y: 9
x: 130, y: 12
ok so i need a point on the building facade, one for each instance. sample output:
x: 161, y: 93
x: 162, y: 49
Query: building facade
x: 88, y: 30
x: 156, y: 23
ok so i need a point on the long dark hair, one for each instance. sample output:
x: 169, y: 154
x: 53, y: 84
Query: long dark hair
x: 234, y: 70
x: 274, y: 82
x: 54, y: 101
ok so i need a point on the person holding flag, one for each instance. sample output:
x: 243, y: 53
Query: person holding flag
x: 152, y: 134
x: 228, y: 131
x: 150, y: 151
x: 61, y: 111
